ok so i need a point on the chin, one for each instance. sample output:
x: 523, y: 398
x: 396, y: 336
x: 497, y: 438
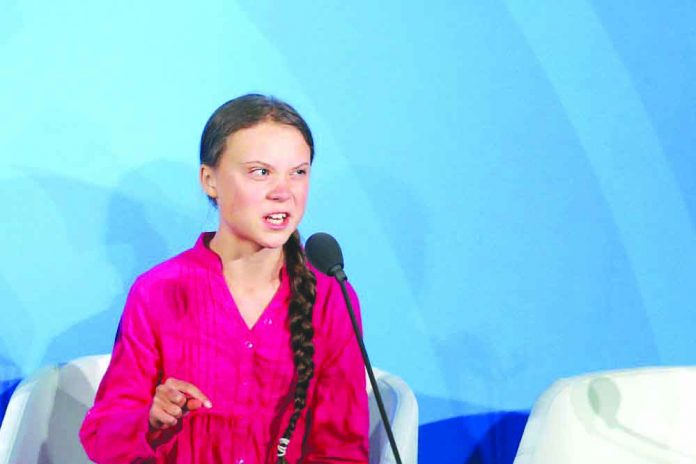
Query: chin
x: 275, y: 242
x: 273, y: 245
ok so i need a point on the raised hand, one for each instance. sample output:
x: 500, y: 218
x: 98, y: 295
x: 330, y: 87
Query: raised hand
x: 173, y: 400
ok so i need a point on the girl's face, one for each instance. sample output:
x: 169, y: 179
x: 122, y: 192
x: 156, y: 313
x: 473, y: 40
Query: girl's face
x: 260, y: 184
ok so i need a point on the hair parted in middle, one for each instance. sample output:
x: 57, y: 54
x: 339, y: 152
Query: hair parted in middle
x: 242, y: 113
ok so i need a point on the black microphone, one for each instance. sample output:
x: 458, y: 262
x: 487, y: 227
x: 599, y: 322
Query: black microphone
x: 325, y: 254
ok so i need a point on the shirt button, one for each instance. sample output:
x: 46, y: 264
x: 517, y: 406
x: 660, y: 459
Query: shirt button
x: 269, y: 321
x: 249, y: 345
x: 240, y: 461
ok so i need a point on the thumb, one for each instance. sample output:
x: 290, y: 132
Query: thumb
x: 193, y: 403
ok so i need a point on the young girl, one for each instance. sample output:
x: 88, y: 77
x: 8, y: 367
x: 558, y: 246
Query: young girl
x: 237, y: 351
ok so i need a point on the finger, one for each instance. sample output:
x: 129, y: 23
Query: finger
x: 169, y: 392
x: 169, y: 408
x: 160, y: 419
x: 191, y: 390
x: 192, y: 404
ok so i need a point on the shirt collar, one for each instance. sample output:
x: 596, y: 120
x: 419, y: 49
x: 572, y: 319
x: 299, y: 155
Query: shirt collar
x: 205, y: 255
x: 211, y: 260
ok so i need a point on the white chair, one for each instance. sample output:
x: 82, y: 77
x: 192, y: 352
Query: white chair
x: 635, y: 416
x: 402, y: 411
x: 46, y: 410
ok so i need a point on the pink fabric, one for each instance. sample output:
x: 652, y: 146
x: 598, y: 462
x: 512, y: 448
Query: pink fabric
x: 181, y: 321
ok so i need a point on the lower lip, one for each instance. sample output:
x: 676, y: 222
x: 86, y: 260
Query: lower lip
x: 277, y: 226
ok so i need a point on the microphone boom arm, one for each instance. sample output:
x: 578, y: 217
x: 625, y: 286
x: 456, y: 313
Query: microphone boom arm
x: 341, y: 278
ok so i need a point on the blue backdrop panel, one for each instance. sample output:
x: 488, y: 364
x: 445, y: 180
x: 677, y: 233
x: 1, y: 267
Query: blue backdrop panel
x: 513, y: 184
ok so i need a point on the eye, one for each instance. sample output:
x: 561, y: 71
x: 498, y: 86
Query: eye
x: 259, y: 172
x: 301, y: 172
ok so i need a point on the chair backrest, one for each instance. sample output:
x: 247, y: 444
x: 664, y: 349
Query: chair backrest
x: 402, y: 411
x: 635, y: 416
x: 46, y: 410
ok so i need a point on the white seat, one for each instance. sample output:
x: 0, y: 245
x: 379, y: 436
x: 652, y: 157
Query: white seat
x: 46, y: 410
x: 402, y: 411
x: 635, y: 416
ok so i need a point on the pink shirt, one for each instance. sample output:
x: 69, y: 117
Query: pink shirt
x: 181, y: 321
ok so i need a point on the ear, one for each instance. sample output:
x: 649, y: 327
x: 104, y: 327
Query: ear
x: 207, y: 178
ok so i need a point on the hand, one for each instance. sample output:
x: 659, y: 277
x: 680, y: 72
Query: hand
x: 173, y: 400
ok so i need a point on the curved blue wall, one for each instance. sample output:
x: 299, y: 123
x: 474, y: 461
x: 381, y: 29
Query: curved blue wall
x: 513, y: 184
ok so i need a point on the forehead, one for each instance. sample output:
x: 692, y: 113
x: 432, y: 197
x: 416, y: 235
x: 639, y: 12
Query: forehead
x: 269, y: 142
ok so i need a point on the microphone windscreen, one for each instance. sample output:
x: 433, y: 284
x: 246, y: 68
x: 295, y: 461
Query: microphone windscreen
x: 324, y: 253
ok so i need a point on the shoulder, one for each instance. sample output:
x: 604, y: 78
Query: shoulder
x: 327, y: 288
x: 330, y: 310
x: 169, y: 279
x: 166, y: 270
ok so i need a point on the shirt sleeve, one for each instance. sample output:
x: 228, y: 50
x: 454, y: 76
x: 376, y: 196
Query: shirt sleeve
x: 339, y: 417
x: 116, y: 428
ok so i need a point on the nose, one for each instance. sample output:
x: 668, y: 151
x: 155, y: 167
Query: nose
x: 280, y: 191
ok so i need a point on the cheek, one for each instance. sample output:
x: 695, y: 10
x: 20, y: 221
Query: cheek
x: 301, y: 194
x: 249, y: 199
x: 237, y: 197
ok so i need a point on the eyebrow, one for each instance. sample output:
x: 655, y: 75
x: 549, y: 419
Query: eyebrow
x: 269, y: 166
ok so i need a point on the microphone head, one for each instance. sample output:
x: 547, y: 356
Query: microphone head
x: 324, y: 253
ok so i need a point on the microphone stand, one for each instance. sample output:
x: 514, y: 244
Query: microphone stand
x: 341, y: 277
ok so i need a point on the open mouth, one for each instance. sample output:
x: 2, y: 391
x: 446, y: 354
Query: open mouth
x: 277, y: 219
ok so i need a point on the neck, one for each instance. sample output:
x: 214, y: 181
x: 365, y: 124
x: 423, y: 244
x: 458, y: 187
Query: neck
x: 246, y: 262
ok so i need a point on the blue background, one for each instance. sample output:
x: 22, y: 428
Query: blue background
x: 513, y: 182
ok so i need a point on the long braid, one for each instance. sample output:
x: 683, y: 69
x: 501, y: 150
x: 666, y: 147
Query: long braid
x: 303, y: 294
x: 241, y: 113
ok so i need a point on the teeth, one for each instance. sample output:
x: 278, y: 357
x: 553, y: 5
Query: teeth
x: 276, y: 218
